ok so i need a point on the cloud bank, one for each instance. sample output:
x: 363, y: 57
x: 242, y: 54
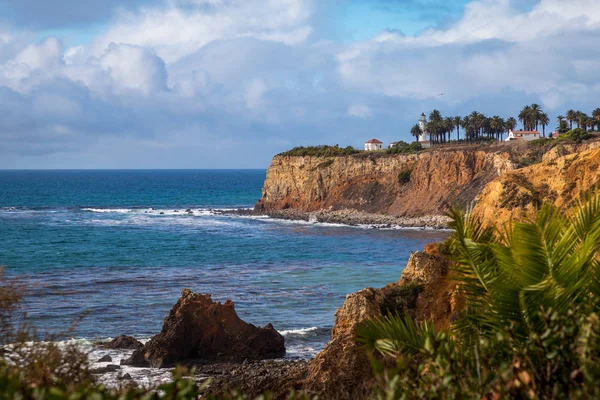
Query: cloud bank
x: 228, y: 83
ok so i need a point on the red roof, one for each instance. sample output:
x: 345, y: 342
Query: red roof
x: 374, y: 141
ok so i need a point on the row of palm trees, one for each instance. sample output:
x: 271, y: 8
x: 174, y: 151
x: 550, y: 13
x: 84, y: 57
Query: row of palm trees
x: 476, y: 126
x: 581, y: 119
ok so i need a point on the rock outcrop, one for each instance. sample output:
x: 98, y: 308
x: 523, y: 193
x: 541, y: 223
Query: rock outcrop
x: 370, y: 182
x: 342, y: 370
x: 559, y: 179
x: 123, y: 342
x: 199, y: 329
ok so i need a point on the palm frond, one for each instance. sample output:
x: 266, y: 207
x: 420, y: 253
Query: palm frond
x: 394, y: 335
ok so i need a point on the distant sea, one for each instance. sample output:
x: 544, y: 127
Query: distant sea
x: 119, y: 246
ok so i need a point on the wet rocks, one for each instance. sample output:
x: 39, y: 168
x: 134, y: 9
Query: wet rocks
x: 123, y: 342
x: 253, y: 378
x: 198, y: 329
x: 105, y: 358
x: 359, y: 218
x: 105, y: 369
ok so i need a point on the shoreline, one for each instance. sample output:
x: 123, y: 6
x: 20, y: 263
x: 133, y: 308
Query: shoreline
x: 360, y: 219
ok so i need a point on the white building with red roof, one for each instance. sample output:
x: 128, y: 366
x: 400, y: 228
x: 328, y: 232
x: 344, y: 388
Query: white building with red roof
x: 373, y: 145
x: 522, y: 135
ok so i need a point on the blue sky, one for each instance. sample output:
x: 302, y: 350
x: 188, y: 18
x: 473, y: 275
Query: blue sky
x: 229, y: 83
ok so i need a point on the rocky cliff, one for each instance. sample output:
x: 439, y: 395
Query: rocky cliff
x: 507, y: 180
x: 410, y: 185
x: 559, y: 179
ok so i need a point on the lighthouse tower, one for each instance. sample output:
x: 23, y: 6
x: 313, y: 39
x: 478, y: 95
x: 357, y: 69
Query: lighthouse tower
x: 423, y: 126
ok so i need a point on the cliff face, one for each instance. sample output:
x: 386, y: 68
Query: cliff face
x: 559, y: 179
x: 370, y: 182
x: 425, y: 290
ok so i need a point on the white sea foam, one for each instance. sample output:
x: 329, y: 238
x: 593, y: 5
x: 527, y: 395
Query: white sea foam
x: 198, y: 212
x: 108, y: 210
x: 301, y: 331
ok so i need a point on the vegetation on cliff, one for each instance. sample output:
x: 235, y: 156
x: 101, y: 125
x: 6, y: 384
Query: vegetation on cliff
x: 530, y: 325
x: 320, y: 151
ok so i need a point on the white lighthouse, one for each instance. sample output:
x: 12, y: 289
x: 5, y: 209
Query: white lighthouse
x: 423, y: 126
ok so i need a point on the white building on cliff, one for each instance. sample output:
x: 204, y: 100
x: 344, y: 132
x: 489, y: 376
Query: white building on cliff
x: 522, y: 135
x: 373, y: 145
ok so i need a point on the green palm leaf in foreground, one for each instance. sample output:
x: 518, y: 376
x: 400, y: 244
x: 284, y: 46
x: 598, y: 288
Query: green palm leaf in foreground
x: 530, y: 326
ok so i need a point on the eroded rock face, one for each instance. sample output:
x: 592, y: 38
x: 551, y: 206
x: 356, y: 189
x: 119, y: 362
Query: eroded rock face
x: 559, y: 179
x: 199, y: 329
x: 370, y: 182
x: 342, y: 370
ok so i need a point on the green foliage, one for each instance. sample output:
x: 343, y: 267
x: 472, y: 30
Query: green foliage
x: 540, y: 142
x: 530, y: 326
x: 320, y: 151
x: 405, y: 148
x: 578, y: 135
x: 404, y: 176
x: 324, y: 164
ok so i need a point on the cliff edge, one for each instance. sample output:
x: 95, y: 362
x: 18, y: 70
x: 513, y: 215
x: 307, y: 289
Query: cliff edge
x: 411, y: 185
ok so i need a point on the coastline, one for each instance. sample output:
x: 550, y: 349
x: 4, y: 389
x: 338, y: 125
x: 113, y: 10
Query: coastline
x: 363, y: 219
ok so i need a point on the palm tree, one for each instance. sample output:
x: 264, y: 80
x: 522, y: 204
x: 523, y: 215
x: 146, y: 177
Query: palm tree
x: 510, y: 124
x: 456, y: 121
x: 571, y: 116
x: 596, y: 118
x: 465, y: 123
x: 416, y: 132
x: 544, y: 121
x: 581, y: 119
x: 496, y: 126
x: 435, y: 116
x: 536, y: 113
x: 449, y: 122
x: 525, y: 116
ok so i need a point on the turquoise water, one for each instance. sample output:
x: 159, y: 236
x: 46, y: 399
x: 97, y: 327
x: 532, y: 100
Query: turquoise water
x: 120, y: 246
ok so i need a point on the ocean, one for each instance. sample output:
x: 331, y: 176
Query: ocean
x: 117, y: 247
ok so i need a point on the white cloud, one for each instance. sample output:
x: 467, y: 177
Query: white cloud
x: 360, y: 111
x: 187, y: 72
x: 174, y: 31
x: 133, y: 67
x: 543, y: 52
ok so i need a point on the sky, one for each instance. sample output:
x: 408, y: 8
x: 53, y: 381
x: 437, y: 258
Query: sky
x: 230, y: 83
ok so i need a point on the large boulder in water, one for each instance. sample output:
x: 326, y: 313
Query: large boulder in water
x: 199, y: 329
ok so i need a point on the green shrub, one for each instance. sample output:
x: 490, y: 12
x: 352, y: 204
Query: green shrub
x: 540, y: 142
x: 320, y: 151
x: 578, y: 135
x: 404, y: 176
x: 405, y: 148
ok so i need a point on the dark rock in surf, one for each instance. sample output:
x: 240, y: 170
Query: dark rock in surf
x: 124, y: 342
x: 198, y: 329
x: 104, y: 370
x: 106, y: 358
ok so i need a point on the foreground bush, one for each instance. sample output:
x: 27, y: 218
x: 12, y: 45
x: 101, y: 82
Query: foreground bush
x: 530, y: 326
